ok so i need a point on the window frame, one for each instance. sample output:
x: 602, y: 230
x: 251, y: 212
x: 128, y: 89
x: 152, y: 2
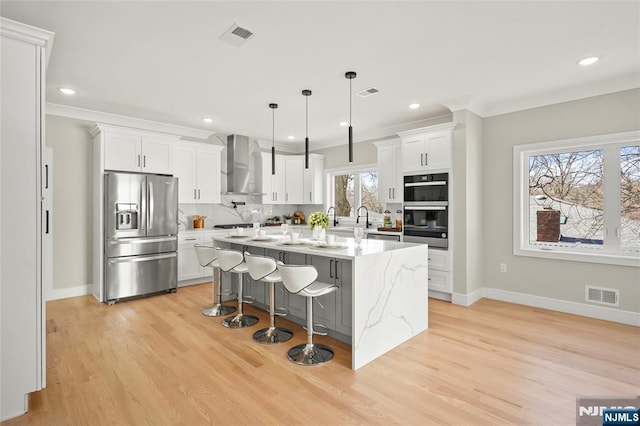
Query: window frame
x: 610, y: 252
x: 330, y: 192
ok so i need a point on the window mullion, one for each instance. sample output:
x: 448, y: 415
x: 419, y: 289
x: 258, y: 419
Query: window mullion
x: 611, y: 208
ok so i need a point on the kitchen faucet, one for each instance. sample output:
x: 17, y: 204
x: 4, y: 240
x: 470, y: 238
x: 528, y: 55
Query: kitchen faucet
x: 335, y: 218
x: 366, y: 216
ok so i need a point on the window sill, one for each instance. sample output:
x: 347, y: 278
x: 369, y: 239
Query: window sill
x: 590, y: 255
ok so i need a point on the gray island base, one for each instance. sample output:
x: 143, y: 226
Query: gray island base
x: 382, y: 300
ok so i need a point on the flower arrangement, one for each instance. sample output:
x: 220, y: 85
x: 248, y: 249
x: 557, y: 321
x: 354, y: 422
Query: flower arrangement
x: 318, y: 219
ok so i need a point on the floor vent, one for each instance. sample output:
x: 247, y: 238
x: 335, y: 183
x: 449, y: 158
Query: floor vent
x: 236, y: 35
x: 368, y: 92
x: 604, y: 296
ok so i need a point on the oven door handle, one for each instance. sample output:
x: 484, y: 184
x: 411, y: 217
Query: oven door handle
x: 428, y: 208
x: 435, y: 183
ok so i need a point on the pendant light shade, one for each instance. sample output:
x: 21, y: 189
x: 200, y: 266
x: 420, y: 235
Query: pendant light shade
x: 273, y: 137
x: 306, y: 93
x: 350, y: 75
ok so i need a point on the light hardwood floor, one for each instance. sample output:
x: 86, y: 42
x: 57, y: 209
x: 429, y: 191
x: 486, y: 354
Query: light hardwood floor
x: 159, y: 361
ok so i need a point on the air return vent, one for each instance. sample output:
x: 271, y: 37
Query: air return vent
x: 604, y: 296
x: 237, y: 35
x: 368, y: 92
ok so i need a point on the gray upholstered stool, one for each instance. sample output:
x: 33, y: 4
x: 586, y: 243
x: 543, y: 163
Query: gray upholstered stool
x: 233, y: 261
x: 207, y: 257
x: 301, y: 279
x: 263, y: 268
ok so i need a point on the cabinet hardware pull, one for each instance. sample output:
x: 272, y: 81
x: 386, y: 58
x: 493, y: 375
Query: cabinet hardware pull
x: 428, y: 279
x: 46, y: 176
x: 138, y: 160
x: 190, y: 239
x: 144, y: 161
x: 198, y: 194
x: 394, y: 193
x: 310, y: 199
x: 47, y: 222
x: 421, y: 159
x: 389, y: 193
x: 426, y: 158
x: 336, y: 266
x: 195, y: 197
x: 331, y: 268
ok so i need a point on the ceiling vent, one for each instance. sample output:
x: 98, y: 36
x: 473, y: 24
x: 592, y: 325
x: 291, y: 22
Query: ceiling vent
x: 605, y: 296
x: 368, y: 92
x: 236, y: 35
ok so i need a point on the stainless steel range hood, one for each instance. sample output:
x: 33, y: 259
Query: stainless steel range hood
x: 240, y: 180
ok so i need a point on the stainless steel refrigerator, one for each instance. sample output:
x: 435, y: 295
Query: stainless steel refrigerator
x: 141, y: 241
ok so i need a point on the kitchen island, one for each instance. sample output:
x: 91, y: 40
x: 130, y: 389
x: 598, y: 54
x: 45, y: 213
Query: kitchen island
x: 382, y: 296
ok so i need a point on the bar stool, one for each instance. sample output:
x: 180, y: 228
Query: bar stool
x: 207, y: 257
x: 233, y: 261
x: 301, y: 279
x: 262, y: 268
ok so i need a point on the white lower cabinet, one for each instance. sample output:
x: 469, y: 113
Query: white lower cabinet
x: 440, y: 271
x: 188, y: 265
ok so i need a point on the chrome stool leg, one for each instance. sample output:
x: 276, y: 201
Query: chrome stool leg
x: 240, y: 320
x: 272, y: 334
x: 218, y: 309
x: 310, y: 353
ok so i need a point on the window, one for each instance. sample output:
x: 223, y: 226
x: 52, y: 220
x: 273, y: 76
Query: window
x: 352, y: 189
x: 579, y: 199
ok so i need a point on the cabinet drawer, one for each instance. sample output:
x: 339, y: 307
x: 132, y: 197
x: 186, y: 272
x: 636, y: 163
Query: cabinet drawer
x: 189, y: 239
x: 440, y: 281
x: 439, y: 260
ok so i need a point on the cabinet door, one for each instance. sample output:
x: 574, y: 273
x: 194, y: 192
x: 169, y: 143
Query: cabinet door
x: 440, y: 281
x: 387, y: 170
x: 122, y: 152
x: 437, y: 151
x: 208, y: 176
x: 294, y: 179
x: 413, y: 154
x: 344, y: 297
x: 188, y: 265
x: 156, y: 155
x: 324, y: 307
x: 278, y: 181
x: 313, y: 186
x: 184, y: 168
x: 269, y: 196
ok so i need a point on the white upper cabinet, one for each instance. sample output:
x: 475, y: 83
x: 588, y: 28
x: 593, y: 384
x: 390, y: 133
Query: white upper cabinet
x: 390, y: 183
x: 198, y: 168
x: 294, y: 179
x: 313, y: 188
x: 132, y: 150
x: 427, y: 148
x: 287, y: 186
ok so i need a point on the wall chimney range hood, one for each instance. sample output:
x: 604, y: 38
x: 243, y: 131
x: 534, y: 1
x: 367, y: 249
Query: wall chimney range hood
x: 239, y: 168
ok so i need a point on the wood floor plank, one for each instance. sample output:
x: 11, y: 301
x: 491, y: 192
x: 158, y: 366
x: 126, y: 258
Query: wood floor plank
x: 159, y: 361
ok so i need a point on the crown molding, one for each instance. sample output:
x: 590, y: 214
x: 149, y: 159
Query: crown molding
x: 121, y: 120
x: 28, y: 33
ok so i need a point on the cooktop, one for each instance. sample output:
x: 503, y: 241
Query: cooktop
x: 236, y: 225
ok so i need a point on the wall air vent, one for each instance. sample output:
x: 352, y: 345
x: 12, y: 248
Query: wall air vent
x: 236, y: 35
x: 604, y: 296
x: 368, y: 92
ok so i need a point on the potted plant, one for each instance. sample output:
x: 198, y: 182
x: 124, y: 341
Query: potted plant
x: 287, y: 218
x: 318, y: 221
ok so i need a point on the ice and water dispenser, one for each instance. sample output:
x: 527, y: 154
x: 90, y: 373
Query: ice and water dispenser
x: 126, y: 216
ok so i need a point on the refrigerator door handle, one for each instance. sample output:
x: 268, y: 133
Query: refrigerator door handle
x: 150, y: 189
x: 142, y: 258
x: 137, y: 240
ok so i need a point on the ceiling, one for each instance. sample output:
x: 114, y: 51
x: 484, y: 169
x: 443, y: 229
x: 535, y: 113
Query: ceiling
x: 164, y: 61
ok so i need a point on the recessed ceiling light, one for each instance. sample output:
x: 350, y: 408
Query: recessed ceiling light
x: 589, y: 61
x: 291, y: 137
x: 207, y: 119
x: 414, y: 106
x: 344, y: 123
x: 66, y: 91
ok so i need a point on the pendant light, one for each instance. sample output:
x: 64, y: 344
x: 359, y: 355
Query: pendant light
x: 350, y: 75
x: 273, y: 137
x: 306, y: 93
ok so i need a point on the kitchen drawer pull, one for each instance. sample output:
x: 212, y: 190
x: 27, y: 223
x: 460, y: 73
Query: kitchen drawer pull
x: 47, y: 221
x: 135, y: 240
x: 128, y: 259
x: 336, y: 266
x: 331, y: 268
x: 190, y: 239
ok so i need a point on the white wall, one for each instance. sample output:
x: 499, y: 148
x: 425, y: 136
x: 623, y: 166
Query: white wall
x: 557, y: 279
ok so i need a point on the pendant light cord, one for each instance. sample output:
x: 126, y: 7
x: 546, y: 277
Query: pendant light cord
x: 350, y: 97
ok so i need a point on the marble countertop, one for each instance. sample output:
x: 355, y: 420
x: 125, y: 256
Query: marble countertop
x: 343, y: 248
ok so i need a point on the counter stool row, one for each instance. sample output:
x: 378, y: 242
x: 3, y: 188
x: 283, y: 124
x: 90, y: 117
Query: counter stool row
x: 297, y: 279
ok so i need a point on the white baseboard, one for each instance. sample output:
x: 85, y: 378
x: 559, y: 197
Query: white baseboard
x: 466, y: 299
x: 591, y: 311
x: 64, y: 293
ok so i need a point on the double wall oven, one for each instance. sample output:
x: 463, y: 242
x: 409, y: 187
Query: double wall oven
x: 426, y: 209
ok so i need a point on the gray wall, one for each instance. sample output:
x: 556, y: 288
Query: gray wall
x: 72, y: 216
x: 557, y: 279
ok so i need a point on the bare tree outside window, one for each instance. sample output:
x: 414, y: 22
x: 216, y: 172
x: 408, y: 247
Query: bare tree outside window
x: 369, y: 194
x: 630, y: 196
x: 573, y: 184
x: 344, y: 196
